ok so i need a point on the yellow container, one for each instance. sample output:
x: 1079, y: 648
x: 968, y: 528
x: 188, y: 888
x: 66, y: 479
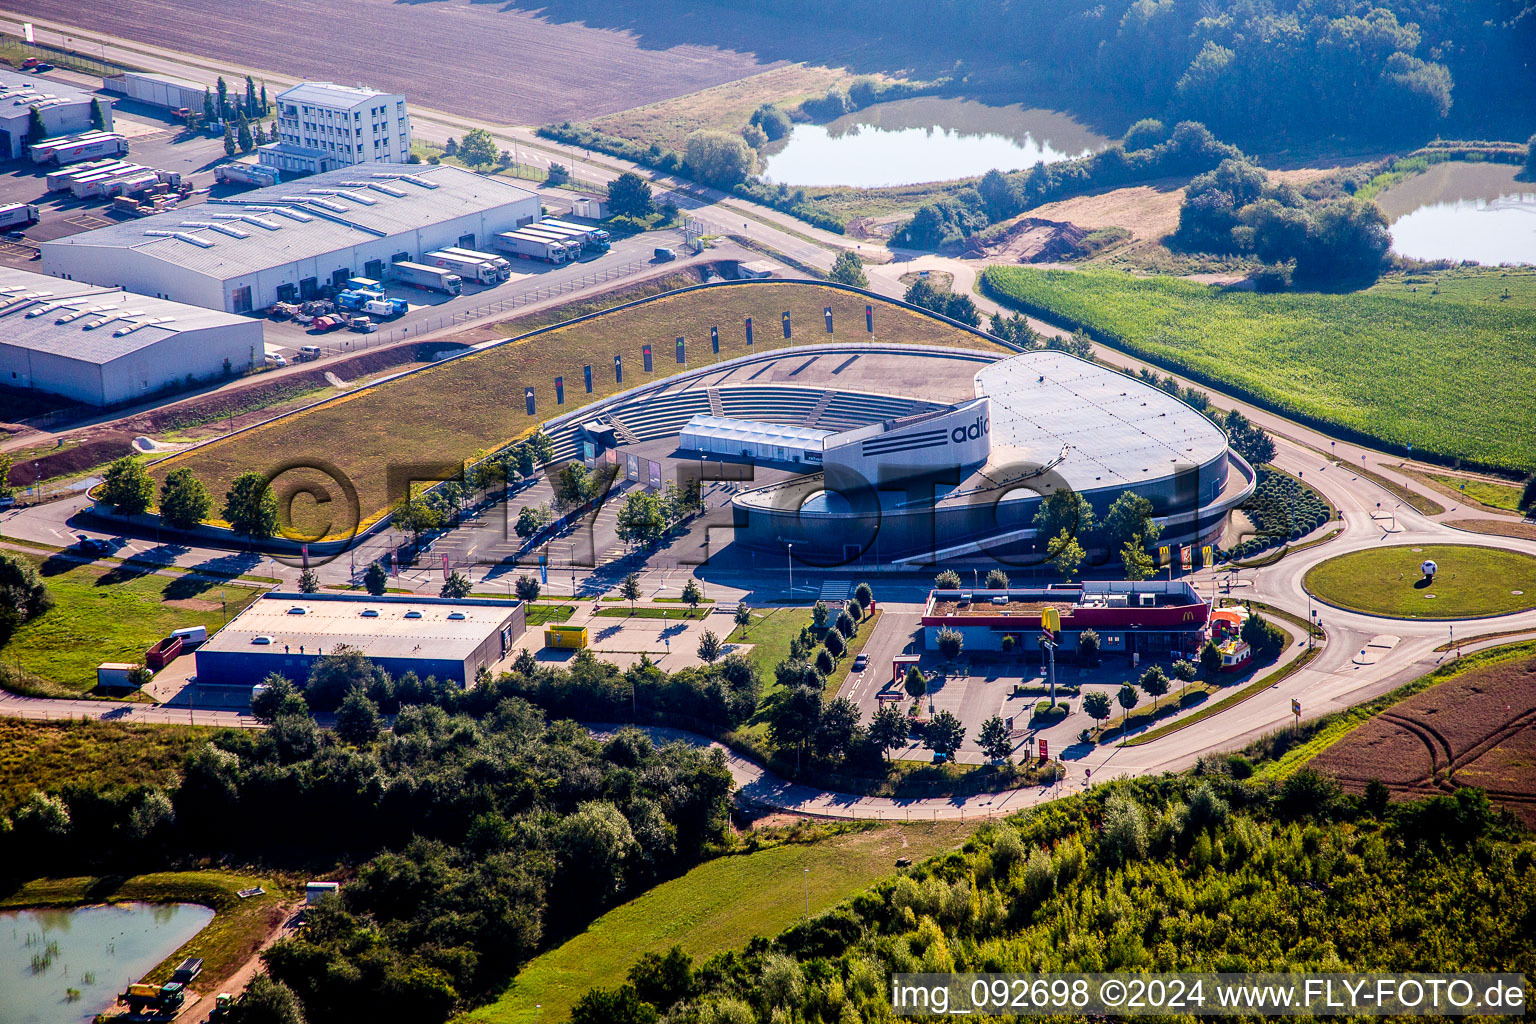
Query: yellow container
x: 571, y: 638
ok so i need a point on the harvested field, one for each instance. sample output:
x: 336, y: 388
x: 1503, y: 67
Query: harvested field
x: 1473, y: 730
x: 509, y: 65
x: 466, y: 407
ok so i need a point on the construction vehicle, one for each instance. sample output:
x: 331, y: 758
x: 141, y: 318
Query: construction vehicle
x: 527, y: 246
x: 223, y: 1006
x: 503, y: 268
x: 469, y: 268
x: 153, y: 1001
x: 419, y: 275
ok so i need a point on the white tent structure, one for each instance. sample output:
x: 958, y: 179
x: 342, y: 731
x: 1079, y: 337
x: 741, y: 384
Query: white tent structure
x: 753, y: 439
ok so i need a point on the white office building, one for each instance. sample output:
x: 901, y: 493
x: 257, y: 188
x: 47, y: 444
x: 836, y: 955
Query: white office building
x: 322, y: 127
x: 105, y: 347
x: 287, y: 242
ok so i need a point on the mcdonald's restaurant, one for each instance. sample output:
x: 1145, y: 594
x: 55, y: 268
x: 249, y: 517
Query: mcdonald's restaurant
x: 1151, y: 618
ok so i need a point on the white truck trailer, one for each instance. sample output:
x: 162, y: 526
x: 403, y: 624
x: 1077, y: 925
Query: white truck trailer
x: 419, y: 275
x: 531, y: 247
x: 14, y: 216
x: 574, y: 240
x: 596, y: 237
x: 469, y: 268
x: 75, y: 148
x: 63, y: 178
x: 503, y: 268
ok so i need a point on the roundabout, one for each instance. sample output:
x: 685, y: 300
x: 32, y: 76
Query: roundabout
x: 1467, y: 581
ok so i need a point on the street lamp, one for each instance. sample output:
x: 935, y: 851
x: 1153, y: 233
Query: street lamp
x: 807, y: 892
x: 791, y: 548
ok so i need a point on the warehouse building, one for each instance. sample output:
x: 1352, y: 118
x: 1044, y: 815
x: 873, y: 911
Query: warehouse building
x: 104, y: 347
x: 65, y: 109
x: 287, y: 633
x: 286, y: 242
x: 157, y: 90
x: 322, y: 127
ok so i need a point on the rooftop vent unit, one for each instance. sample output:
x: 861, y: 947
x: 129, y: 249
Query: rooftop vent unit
x: 297, y: 215
x: 327, y: 204
x: 413, y: 179
x: 151, y: 322
x: 249, y: 218
x: 223, y: 229
x: 339, y: 194
x: 77, y: 314
x: 388, y: 190
x: 108, y: 319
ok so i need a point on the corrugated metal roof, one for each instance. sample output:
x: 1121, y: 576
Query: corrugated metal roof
x: 90, y: 322
x: 755, y: 430
x: 329, y: 94
x: 337, y: 216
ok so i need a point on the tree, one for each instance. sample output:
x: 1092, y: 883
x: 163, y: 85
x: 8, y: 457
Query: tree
x: 23, y: 596
x: 98, y: 115
x: 743, y: 618
x: 642, y: 519
x: 127, y: 487
x: 710, y: 647
x: 250, y: 507
x: 794, y: 718
x: 1097, y: 706
x: 244, y: 139
x: 37, y: 130
x: 692, y: 595
x: 848, y: 269
x: 1184, y: 671
x: 995, y: 740
x: 309, y: 582
x: 558, y: 174
x: 1135, y: 562
x: 451, y: 147
x: 888, y: 729
x: 573, y: 485
x: 333, y: 676
x: 943, y: 734
x: 1130, y: 518
x: 531, y: 519
x: 947, y: 580
x: 620, y: 1005
x: 629, y: 195
x: 457, y: 585
x: 950, y: 643
x: 249, y: 107
x: 416, y: 517
x: 834, y: 643
x: 1155, y: 681
x: 1210, y: 659
x: 719, y: 158
x: 1248, y: 439
x: 1128, y: 698
x: 1064, y: 511
x: 478, y: 148
x: 865, y: 595
x: 819, y: 614
x: 1263, y: 636
x: 774, y: 122
x: 7, y: 489
x: 267, y: 1002
x: 1088, y: 645
x: 838, y: 730
x: 845, y: 624
x: 662, y: 979
x: 629, y: 589
x: 184, y: 501
x: 1066, y: 554
x: 669, y: 211
x: 527, y: 588
x: 375, y: 579
x: 265, y: 106
x: 357, y: 720
x: 229, y: 140
x: 997, y: 579
x: 210, y: 112
x: 915, y: 683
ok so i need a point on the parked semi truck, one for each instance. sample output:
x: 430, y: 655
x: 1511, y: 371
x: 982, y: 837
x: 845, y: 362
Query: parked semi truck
x: 503, y: 268
x: 72, y: 149
x: 14, y: 216
x: 528, y: 246
x: 574, y: 241
x: 470, y: 268
x: 246, y: 174
x: 419, y: 275
x: 596, y: 237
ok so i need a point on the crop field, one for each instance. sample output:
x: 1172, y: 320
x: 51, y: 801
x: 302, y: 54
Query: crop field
x: 109, y: 613
x: 1475, y: 729
x: 724, y: 108
x: 508, y: 65
x: 1471, y: 581
x: 1447, y: 368
x: 473, y: 405
x: 717, y: 906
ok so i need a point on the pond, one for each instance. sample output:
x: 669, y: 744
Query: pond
x: 1463, y: 211
x: 926, y: 138
x: 96, y: 952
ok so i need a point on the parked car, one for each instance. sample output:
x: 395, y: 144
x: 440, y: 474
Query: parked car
x: 30, y: 62
x: 273, y: 359
x: 664, y: 254
x: 860, y: 663
x: 15, y: 236
x: 308, y: 353
x: 40, y: 67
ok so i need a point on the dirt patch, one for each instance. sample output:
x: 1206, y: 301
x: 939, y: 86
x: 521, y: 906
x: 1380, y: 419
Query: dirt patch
x: 1030, y: 240
x: 1475, y: 730
x: 1496, y: 527
x: 195, y: 604
x: 1148, y: 211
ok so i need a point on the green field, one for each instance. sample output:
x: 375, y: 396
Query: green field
x: 1471, y: 581
x: 1445, y: 363
x: 1484, y: 492
x: 94, y: 754
x: 468, y: 407
x: 236, y: 931
x: 109, y: 613
x: 719, y: 905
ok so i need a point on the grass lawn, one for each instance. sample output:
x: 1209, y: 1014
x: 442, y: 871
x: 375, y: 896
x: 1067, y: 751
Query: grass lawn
x: 540, y: 614
x: 1378, y: 362
x: 1471, y: 581
x: 1483, y: 491
x: 236, y: 931
x: 717, y: 906
x: 458, y: 409
x: 769, y: 634
x: 109, y: 614
x: 653, y: 613
x: 95, y: 754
